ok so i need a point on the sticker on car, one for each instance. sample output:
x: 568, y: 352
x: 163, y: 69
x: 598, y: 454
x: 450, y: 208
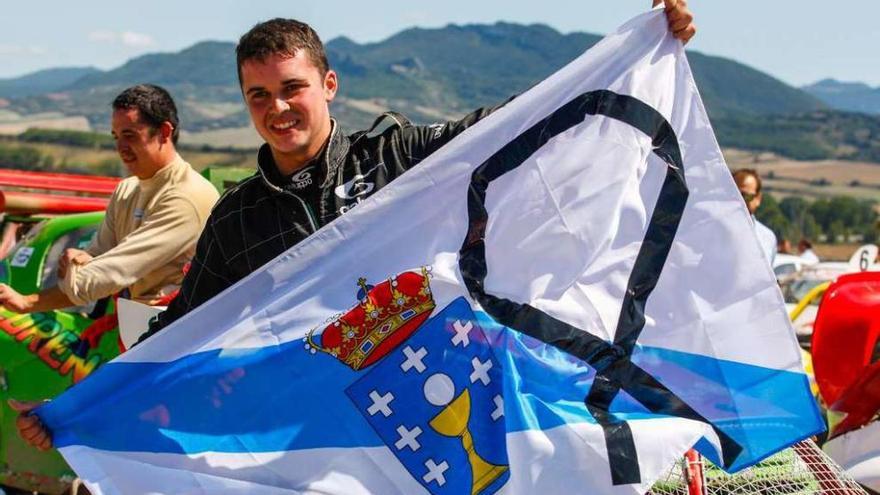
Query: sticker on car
x: 22, y: 256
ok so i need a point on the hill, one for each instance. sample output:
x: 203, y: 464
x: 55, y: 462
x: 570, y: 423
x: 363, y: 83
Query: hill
x: 439, y: 74
x: 431, y: 74
x: 822, y: 134
x: 729, y: 87
x: 849, y: 96
x: 43, y: 81
x: 428, y: 74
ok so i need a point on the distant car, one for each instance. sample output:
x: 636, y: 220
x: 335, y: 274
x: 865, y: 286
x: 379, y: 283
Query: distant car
x: 797, y: 286
x: 785, y: 265
x: 800, y: 284
x: 42, y: 354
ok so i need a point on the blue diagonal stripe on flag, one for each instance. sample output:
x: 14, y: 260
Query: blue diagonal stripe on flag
x: 292, y: 381
x: 231, y: 400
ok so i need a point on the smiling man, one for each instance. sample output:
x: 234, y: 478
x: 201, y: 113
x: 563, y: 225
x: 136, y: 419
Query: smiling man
x: 309, y: 172
x: 152, y: 221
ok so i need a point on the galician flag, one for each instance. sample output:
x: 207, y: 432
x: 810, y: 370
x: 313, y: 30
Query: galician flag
x: 564, y: 299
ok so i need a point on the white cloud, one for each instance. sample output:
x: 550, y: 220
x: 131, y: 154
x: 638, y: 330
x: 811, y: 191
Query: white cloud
x: 130, y: 38
x: 126, y: 38
x: 6, y: 49
x: 102, y: 36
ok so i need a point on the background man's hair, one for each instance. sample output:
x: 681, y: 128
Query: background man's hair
x: 739, y: 176
x: 154, y: 105
x: 282, y: 37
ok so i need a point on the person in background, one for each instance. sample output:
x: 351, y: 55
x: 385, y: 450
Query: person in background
x: 749, y: 184
x: 152, y: 221
x: 805, y: 249
x: 784, y: 247
x: 150, y: 228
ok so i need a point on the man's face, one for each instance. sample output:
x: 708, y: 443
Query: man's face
x: 139, y: 146
x: 750, y: 194
x: 288, y: 100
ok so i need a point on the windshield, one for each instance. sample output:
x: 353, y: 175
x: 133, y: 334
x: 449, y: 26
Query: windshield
x: 795, y: 290
x: 77, y: 238
x: 785, y: 270
x: 24, y: 233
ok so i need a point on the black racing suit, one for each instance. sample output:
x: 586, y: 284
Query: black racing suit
x: 266, y: 214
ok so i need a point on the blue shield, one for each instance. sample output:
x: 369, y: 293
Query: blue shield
x: 436, y: 402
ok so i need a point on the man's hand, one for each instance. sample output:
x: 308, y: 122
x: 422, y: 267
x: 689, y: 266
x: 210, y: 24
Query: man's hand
x: 72, y: 256
x: 681, y: 20
x: 13, y: 301
x: 29, y: 426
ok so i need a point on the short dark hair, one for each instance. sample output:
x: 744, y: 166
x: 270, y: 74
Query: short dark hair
x: 739, y: 176
x: 283, y: 37
x: 153, y: 103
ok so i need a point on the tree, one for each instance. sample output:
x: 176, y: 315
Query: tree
x: 772, y: 216
x: 810, y: 229
x: 23, y: 158
x: 836, y: 232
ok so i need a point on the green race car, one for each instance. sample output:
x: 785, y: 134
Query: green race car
x: 42, y: 354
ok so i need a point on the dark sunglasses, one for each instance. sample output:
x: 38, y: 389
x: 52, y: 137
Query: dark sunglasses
x: 748, y: 197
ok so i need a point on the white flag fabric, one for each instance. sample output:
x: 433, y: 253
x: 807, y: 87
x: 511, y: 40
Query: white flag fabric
x: 563, y: 299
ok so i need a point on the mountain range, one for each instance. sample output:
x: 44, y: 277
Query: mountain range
x: 851, y: 96
x: 43, y: 81
x: 431, y: 75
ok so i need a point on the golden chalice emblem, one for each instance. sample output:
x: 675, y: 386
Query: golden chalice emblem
x: 452, y: 421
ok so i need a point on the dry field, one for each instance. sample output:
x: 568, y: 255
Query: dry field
x: 13, y: 127
x: 835, y: 252
x: 12, y: 123
x: 244, y: 138
x: 810, y: 179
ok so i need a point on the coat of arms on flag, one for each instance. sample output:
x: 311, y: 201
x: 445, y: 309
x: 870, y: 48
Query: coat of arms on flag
x: 592, y: 304
x: 432, y: 391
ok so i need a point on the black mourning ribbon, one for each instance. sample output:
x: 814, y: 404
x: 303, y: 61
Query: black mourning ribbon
x: 615, y: 370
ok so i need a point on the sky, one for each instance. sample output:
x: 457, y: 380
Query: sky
x: 798, y: 42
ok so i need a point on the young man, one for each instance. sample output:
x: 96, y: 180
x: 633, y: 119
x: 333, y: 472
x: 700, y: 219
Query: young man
x: 749, y: 184
x: 309, y: 170
x: 150, y: 229
x: 152, y: 221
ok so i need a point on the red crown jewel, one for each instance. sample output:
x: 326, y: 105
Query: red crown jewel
x: 385, y: 316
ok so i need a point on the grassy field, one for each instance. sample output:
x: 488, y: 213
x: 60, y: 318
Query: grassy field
x: 810, y: 179
x: 244, y: 138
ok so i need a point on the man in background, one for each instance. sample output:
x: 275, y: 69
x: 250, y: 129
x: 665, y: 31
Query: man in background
x: 151, y: 224
x: 152, y: 221
x: 749, y: 184
x: 805, y: 250
x: 783, y: 246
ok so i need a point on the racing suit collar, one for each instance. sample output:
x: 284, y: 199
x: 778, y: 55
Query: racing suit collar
x: 328, y: 160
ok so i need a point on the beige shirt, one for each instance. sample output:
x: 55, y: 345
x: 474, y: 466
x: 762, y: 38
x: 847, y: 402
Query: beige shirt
x: 149, y: 233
